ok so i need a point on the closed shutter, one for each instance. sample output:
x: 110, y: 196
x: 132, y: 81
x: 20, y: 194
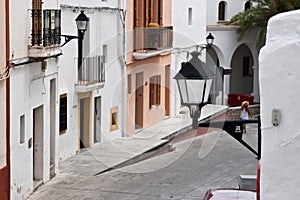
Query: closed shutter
x: 36, y: 22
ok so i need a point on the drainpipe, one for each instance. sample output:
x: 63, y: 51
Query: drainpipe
x: 7, y: 93
x: 122, y: 14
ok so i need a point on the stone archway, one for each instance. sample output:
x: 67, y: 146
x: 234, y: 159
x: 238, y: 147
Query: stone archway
x: 241, y: 78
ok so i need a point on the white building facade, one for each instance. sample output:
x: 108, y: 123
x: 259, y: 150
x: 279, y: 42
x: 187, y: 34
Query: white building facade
x: 93, y: 92
x: 239, y: 57
x: 189, y: 26
x: 34, y: 53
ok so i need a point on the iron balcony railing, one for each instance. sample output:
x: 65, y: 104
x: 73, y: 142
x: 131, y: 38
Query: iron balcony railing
x: 91, y: 71
x: 46, y: 27
x: 150, y: 38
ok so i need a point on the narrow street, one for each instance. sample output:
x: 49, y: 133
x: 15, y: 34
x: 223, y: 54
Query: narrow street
x: 211, y: 160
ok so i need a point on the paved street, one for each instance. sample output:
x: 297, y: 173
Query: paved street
x: 208, y: 161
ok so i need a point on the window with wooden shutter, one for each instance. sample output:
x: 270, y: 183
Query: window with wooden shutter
x: 154, y: 91
x: 36, y: 22
x: 147, y: 11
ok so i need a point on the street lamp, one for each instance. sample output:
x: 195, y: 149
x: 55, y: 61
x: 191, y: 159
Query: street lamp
x: 209, y: 40
x: 82, y: 22
x: 194, y: 81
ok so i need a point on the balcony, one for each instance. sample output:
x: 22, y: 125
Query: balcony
x: 91, y: 74
x: 45, y: 33
x: 149, y: 42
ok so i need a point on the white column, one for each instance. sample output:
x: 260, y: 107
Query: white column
x: 256, y: 84
x: 226, y: 88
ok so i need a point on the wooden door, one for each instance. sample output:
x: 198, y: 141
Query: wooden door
x: 139, y: 100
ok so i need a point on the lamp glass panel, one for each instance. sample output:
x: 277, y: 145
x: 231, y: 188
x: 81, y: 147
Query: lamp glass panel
x: 209, y: 41
x: 195, y: 90
x: 183, y: 92
x: 207, y: 89
x: 81, y: 25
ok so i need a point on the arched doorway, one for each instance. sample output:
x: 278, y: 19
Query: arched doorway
x: 217, y: 91
x: 241, y: 79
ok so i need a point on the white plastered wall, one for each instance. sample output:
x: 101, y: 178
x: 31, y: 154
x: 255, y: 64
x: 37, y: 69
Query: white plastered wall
x: 104, y: 28
x: 185, y: 38
x: 29, y: 89
x: 279, y: 87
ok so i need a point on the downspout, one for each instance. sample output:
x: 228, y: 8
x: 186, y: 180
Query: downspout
x: 7, y: 92
x: 122, y: 15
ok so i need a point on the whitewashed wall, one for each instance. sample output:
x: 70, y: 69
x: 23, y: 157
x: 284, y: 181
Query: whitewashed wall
x: 27, y: 94
x: 2, y: 87
x: 28, y: 90
x: 279, y: 68
x: 185, y: 38
x: 232, y: 7
x: 104, y: 28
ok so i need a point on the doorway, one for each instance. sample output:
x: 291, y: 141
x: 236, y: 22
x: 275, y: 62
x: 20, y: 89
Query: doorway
x: 139, y: 100
x: 52, y: 126
x: 38, y: 144
x: 84, y: 122
x: 241, y: 78
x: 167, y: 90
x: 97, y: 120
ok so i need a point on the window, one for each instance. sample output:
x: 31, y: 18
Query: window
x: 247, y: 69
x: 190, y: 16
x: 221, y: 16
x: 154, y: 96
x: 50, y: 32
x: 36, y: 22
x: 114, y: 119
x: 22, y: 129
x: 147, y: 11
x: 105, y: 52
x: 63, y: 113
x: 247, y: 5
x: 129, y: 84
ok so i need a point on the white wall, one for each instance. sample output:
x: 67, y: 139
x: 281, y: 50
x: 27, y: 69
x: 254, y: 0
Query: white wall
x: 185, y: 38
x: 30, y: 88
x: 91, y: 3
x: 2, y: 87
x: 104, y: 28
x: 279, y: 68
x: 232, y: 7
x: 28, y: 93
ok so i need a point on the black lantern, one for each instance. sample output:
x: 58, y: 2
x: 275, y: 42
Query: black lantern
x: 82, y: 22
x: 209, y: 40
x: 194, y: 81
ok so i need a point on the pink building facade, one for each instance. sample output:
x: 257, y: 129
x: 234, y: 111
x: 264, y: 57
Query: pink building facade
x: 149, y: 42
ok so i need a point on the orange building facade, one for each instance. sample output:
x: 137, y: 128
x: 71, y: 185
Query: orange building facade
x: 149, y: 44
